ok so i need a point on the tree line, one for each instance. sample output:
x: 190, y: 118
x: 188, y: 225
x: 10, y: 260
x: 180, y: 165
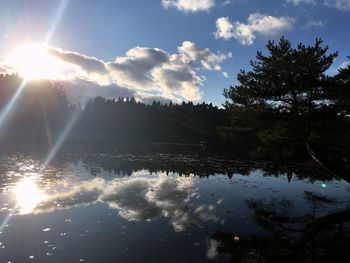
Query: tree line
x: 42, y: 110
x: 126, y: 121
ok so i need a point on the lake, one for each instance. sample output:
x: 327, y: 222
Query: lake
x: 113, y: 207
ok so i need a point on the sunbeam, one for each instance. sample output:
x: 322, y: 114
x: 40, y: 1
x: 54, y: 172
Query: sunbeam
x: 7, y: 109
x: 5, y: 222
x: 60, y: 139
x: 61, y: 8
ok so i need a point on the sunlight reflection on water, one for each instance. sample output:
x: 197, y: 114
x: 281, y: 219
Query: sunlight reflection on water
x: 28, y: 195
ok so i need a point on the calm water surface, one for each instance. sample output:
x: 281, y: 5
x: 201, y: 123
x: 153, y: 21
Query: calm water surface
x: 161, y: 208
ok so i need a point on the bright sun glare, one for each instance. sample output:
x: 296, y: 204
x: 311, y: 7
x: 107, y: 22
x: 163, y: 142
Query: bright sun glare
x: 28, y: 195
x: 32, y: 61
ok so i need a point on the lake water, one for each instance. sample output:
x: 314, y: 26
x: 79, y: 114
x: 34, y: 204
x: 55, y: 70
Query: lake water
x: 111, y: 207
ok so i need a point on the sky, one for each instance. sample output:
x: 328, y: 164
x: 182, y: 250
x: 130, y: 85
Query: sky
x: 158, y: 49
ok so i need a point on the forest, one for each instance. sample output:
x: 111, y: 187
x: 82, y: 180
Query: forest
x: 42, y: 111
x: 287, y: 107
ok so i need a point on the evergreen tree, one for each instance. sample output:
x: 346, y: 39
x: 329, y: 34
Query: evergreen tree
x: 39, y: 113
x: 283, y: 99
x: 340, y: 93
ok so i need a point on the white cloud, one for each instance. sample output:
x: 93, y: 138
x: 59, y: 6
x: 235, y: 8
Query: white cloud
x: 315, y: 23
x: 256, y: 24
x: 189, y: 5
x: 142, y: 72
x: 88, y: 68
x: 297, y: 2
x: 178, y: 79
x: 133, y: 70
x: 153, y: 70
x: 343, y: 5
x: 81, y: 90
x: 224, y: 28
x: 89, y: 64
x: 208, y: 60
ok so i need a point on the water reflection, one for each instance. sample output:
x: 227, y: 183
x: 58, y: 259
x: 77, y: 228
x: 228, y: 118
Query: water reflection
x: 320, y: 234
x: 209, y: 209
x: 28, y: 195
x: 142, y: 196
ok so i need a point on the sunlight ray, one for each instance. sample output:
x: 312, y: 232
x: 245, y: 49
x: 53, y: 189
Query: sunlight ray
x: 5, y: 222
x: 60, y: 139
x: 7, y: 109
x: 61, y: 8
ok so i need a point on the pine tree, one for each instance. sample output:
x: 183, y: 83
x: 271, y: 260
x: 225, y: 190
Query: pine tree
x: 281, y: 100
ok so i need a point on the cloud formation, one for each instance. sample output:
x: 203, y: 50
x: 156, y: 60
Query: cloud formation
x: 343, y: 5
x: 189, y: 5
x: 208, y: 60
x: 143, y: 73
x: 88, y: 68
x: 257, y: 23
x: 150, y: 71
x: 81, y: 90
x: 133, y: 69
x: 297, y: 2
x: 89, y: 64
x: 156, y: 71
x: 315, y: 23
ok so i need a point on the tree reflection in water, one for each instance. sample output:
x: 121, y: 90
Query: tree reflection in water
x: 310, y: 237
x: 162, y: 190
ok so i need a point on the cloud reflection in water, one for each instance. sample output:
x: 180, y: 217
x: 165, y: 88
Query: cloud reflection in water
x: 141, y: 196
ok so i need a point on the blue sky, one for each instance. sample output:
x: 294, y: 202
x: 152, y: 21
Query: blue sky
x: 165, y: 49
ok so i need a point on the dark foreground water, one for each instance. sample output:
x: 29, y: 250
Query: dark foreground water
x: 169, y: 208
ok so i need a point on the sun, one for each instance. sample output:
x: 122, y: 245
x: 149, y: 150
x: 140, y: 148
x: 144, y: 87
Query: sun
x: 33, y: 61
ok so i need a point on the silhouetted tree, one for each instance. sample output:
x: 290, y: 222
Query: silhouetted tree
x: 284, y: 102
x: 38, y: 114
